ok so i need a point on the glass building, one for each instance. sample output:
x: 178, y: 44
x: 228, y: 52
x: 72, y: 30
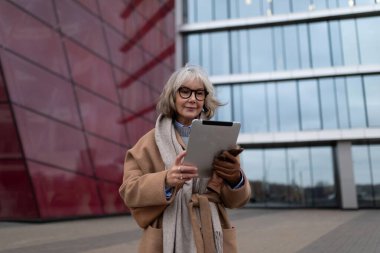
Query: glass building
x: 303, y: 78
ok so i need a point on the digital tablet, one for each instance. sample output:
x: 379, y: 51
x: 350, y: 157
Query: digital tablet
x: 207, y: 139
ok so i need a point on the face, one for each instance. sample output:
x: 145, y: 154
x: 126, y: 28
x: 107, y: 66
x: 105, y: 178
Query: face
x: 189, y: 108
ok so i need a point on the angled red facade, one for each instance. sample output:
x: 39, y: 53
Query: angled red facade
x: 79, y: 80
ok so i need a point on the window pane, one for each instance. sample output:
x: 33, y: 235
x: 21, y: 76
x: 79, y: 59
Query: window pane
x: 220, y: 53
x: 372, y: 91
x: 309, y: 105
x: 253, y: 165
x: 320, y: 49
x: 204, y: 10
x: 364, y: 2
x: 246, y: 9
x: 375, y: 165
x: 342, y: 102
x: 328, y: 103
x: 349, y: 45
x: 221, y: 9
x: 223, y: 93
x: 190, y: 11
x: 261, y: 50
x: 304, y: 46
x: 239, y: 54
x: 356, y: 102
x: 362, y: 175
x: 300, y: 6
x: 254, y: 108
x: 288, y: 106
x: 205, y: 51
x: 279, y: 48
x: 300, y: 192
x: 369, y: 40
x: 291, y: 47
x: 323, y: 176
x: 336, y: 43
x: 272, y: 107
x: 320, y: 4
x: 193, y: 49
x: 281, y: 6
x: 276, y: 177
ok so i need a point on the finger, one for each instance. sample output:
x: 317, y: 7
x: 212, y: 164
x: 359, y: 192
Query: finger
x: 224, y: 164
x: 230, y: 157
x: 224, y: 170
x: 188, y: 169
x: 178, y: 159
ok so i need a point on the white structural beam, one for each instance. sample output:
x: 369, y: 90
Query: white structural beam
x: 281, y: 19
x: 310, y: 136
x: 295, y: 74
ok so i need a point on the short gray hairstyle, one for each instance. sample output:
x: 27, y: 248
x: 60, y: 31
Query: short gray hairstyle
x: 188, y: 73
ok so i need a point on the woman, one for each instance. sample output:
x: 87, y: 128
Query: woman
x: 178, y: 211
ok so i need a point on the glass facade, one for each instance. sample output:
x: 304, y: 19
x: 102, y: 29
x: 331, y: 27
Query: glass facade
x: 293, y: 69
x: 288, y: 47
x: 78, y: 85
x: 291, y: 177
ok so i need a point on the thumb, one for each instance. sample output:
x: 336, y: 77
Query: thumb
x: 178, y: 159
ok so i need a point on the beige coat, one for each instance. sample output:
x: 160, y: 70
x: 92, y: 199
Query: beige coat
x: 143, y: 191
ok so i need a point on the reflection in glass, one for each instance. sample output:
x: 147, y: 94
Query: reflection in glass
x: 193, y: 49
x: 349, y: 39
x: 204, y: 10
x: 253, y: 165
x: 362, y: 174
x: 320, y: 4
x: 206, y: 53
x: 369, y: 39
x: 220, y: 9
x: 309, y: 104
x: 291, y: 47
x: 342, y: 102
x: 328, y: 103
x: 288, y: 106
x: 281, y: 6
x: 375, y: 166
x: 219, y: 53
x: 372, y: 95
x: 279, y: 51
x: 275, y: 174
x: 254, y: 108
x: 300, y: 6
x: 300, y: 183
x: 240, y: 51
x: 261, y: 50
x: 336, y: 43
x: 304, y: 42
x: 323, y: 176
x: 272, y: 107
x: 320, y: 48
x: 356, y: 101
x: 223, y: 93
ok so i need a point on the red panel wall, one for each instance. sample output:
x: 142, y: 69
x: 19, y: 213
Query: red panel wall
x: 78, y: 87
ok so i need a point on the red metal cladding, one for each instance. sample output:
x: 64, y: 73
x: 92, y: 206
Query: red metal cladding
x: 161, y: 13
x: 129, y: 9
x: 166, y: 53
x: 138, y: 114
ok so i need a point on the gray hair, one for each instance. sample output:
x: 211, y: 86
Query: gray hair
x: 166, y: 102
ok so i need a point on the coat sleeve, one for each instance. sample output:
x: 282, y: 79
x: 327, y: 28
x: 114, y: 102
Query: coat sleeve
x: 143, y: 187
x: 234, y: 198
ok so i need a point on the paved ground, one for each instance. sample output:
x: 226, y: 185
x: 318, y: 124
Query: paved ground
x: 259, y: 230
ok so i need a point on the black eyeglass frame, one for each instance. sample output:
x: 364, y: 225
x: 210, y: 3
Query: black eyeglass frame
x: 191, y: 93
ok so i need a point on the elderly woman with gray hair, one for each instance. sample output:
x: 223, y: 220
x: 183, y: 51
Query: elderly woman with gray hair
x: 178, y: 211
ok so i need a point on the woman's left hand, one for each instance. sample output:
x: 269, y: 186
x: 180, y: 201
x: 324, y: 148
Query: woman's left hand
x: 227, y: 167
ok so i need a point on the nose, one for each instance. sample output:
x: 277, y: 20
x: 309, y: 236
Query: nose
x: 192, y: 96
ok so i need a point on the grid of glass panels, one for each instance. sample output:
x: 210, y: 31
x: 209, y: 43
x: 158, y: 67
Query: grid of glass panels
x: 321, y: 44
x: 208, y: 10
x: 296, y: 177
x: 366, y: 163
x: 301, y: 105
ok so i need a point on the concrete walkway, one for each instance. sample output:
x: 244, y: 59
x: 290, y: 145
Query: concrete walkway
x: 259, y: 230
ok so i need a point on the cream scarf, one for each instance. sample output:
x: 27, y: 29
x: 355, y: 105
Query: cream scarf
x: 177, y: 229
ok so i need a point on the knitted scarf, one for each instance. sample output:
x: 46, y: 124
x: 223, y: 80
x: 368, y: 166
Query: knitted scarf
x: 177, y: 229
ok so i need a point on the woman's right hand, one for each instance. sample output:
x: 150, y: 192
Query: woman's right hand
x: 180, y: 173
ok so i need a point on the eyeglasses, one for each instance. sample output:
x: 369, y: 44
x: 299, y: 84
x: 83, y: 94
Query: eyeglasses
x: 185, y: 93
